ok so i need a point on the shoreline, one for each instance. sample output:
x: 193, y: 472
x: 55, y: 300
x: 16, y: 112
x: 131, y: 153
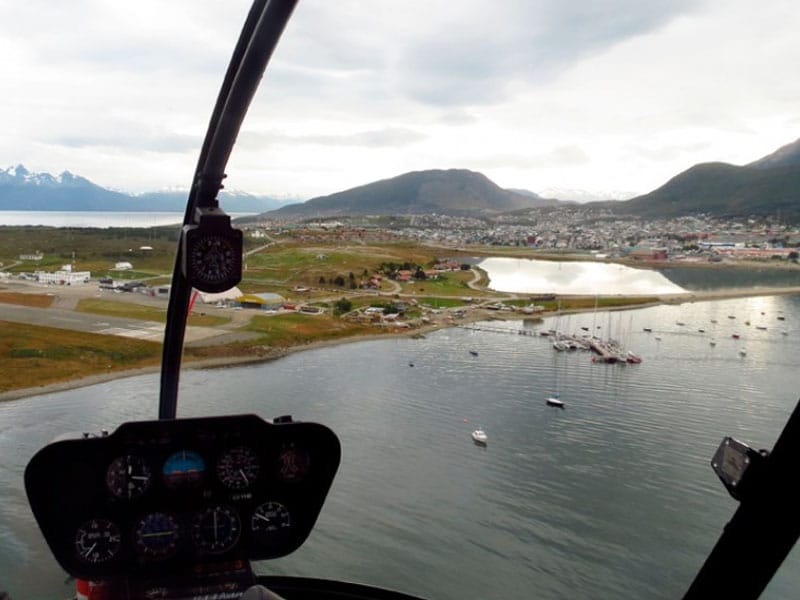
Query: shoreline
x: 474, y: 315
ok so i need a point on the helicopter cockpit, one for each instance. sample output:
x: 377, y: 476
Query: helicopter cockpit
x: 181, y: 504
x: 179, y: 508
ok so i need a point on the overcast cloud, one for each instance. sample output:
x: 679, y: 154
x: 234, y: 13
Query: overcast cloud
x: 536, y: 94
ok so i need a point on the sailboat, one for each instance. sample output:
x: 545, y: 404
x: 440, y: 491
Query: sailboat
x: 555, y: 399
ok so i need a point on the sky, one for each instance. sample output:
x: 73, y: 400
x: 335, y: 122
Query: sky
x: 608, y: 97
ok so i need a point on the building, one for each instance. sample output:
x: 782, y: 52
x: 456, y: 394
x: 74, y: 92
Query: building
x: 64, y: 276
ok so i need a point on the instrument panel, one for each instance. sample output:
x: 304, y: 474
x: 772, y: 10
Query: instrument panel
x: 164, y: 496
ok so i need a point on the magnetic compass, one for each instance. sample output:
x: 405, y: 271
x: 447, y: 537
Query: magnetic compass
x: 212, y: 252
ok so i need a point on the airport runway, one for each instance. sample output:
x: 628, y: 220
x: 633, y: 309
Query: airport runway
x: 70, y: 319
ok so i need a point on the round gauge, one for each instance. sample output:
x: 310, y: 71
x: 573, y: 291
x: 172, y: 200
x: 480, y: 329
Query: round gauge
x: 269, y: 518
x: 128, y: 477
x: 216, y: 529
x: 156, y: 535
x: 238, y: 467
x: 97, y: 541
x: 183, y: 469
x: 293, y: 463
x: 214, y: 260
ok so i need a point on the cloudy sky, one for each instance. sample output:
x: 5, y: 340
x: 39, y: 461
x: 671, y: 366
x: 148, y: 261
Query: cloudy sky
x: 607, y: 96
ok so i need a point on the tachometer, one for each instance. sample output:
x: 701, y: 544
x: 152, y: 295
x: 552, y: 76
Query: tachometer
x: 216, y: 529
x: 238, y: 468
x: 184, y: 469
x: 97, y: 541
x: 156, y: 535
x: 128, y: 477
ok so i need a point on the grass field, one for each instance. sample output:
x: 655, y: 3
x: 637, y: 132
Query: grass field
x: 143, y: 312
x: 32, y: 355
x: 297, y: 329
x: 35, y: 300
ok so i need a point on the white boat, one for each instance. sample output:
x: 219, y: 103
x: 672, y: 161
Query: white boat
x: 742, y: 352
x: 479, y: 437
x: 555, y: 401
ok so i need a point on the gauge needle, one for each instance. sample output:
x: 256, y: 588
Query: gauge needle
x: 241, y: 472
x: 90, y: 550
x: 157, y: 534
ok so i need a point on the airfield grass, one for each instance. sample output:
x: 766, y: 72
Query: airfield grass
x: 34, y: 300
x: 142, y: 312
x: 33, y: 355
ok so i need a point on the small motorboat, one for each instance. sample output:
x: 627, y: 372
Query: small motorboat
x: 555, y: 401
x: 633, y: 358
x: 473, y: 352
x: 479, y: 437
x: 735, y: 336
x: 742, y: 352
x: 648, y: 329
x: 701, y: 330
x: 713, y: 342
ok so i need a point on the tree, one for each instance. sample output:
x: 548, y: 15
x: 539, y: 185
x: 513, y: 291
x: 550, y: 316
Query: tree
x: 343, y: 305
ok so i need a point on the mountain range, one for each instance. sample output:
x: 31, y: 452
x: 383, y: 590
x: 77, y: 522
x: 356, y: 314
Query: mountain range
x: 449, y: 192
x: 21, y: 189
x: 767, y: 186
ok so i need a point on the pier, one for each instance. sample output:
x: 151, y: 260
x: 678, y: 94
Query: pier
x: 529, y: 332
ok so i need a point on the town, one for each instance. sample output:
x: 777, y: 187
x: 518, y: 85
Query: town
x: 576, y: 230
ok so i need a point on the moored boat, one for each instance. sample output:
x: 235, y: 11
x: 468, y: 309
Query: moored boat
x: 479, y: 437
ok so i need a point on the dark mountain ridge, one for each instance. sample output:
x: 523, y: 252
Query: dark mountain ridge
x: 449, y: 192
x: 767, y: 186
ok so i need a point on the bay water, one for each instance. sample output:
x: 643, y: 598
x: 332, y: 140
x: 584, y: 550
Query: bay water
x: 612, y: 497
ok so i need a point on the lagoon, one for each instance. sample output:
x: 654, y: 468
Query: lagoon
x: 517, y: 275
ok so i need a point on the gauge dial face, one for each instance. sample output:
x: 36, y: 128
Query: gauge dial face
x: 293, y: 463
x: 128, y: 477
x: 216, y: 529
x: 184, y: 469
x: 213, y: 259
x: 238, y: 468
x: 156, y: 535
x: 270, y: 518
x: 97, y: 541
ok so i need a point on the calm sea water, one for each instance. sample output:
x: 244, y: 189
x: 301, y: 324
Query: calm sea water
x: 99, y: 219
x: 612, y: 497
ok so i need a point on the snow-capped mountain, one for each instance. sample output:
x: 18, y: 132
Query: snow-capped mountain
x: 21, y: 189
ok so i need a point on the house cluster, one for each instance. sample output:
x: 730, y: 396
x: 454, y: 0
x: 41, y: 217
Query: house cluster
x: 576, y: 228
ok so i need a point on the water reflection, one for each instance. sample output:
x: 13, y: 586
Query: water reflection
x: 540, y: 276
